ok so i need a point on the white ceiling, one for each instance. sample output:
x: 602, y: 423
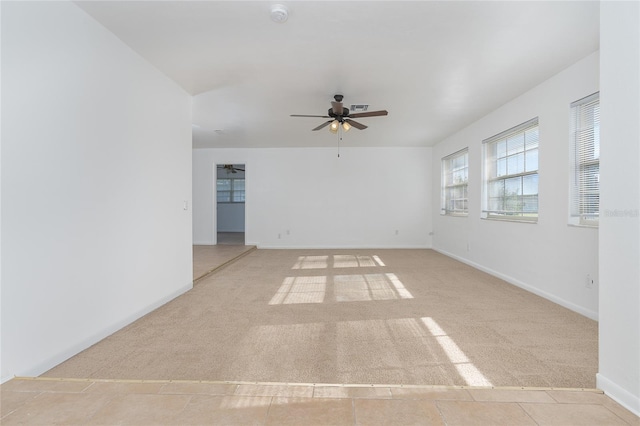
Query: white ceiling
x: 436, y: 66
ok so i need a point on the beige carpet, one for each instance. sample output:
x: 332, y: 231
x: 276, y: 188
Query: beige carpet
x: 351, y: 316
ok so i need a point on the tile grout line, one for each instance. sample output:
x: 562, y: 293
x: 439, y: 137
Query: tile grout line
x: 527, y: 413
x: 556, y: 402
x: 182, y: 410
x: 88, y: 387
x: 19, y: 407
x: 595, y: 404
x: 442, y: 417
x: 110, y: 399
x: 616, y: 414
x: 353, y: 411
x: 266, y: 417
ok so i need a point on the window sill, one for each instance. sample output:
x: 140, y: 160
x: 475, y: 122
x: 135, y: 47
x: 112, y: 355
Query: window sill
x: 499, y: 219
x: 582, y: 225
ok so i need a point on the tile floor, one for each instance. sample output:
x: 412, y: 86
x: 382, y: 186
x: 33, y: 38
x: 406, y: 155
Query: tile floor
x: 88, y: 402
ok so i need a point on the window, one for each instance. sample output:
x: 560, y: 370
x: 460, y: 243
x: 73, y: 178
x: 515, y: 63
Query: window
x: 230, y: 190
x: 511, y: 174
x: 585, y: 161
x: 455, y: 176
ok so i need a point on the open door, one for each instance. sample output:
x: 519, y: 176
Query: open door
x: 230, y: 204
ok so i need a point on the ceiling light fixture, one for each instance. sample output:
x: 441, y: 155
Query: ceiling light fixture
x: 333, y: 128
x: 279, y: 13
x: 346, y: 126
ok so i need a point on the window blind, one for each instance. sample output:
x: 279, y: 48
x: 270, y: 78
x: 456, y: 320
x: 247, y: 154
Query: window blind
x: 455, y: 177
x: 585, y: 164
x: 511, y: 173
x: 230, y: 190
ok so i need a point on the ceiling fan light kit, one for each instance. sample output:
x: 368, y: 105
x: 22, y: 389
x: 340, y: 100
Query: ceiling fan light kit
x: 335, y: 125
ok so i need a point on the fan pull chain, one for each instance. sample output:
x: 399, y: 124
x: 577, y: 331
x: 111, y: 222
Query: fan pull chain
x: 339, y: 139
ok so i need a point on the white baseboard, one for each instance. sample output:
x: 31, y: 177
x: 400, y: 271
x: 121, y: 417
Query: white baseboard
x: 95, y: 338
x: 338, y: 247
x: 555, y: 299
x: 622, y: 396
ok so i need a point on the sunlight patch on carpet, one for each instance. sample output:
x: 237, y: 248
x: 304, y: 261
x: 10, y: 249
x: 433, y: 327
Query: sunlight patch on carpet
x: 465, y: 367
x: 311, y: 262
x: 300, y: 290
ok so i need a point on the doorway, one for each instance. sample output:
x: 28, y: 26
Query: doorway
x: 230, y: 204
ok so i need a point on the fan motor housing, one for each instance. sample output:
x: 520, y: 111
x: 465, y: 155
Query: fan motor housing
x: 345, y: 113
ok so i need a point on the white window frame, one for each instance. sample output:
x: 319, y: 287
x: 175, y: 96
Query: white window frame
x: 502, y: 153
x: 232, y: 192
x: 584, y: 201
x: 455, y: 179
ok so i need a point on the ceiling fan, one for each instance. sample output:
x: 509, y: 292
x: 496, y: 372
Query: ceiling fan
x: 340, y: 116
x: 230, y: 168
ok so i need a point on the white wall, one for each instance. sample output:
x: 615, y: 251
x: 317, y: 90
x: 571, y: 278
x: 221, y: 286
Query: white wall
x: 619, y: 357
x: 96, y: 167
x: 230, y: 217
x: 549, y: 258
x: 307, y: 197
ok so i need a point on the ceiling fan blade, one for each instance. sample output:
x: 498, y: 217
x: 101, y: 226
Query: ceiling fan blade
x: 355, y: 124
x: 322, y: 125
x: 337, y: 107
x: 369, y: 114
x: 315, y: 116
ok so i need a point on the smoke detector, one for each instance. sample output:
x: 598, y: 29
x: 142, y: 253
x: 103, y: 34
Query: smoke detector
x: 279, y: 13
